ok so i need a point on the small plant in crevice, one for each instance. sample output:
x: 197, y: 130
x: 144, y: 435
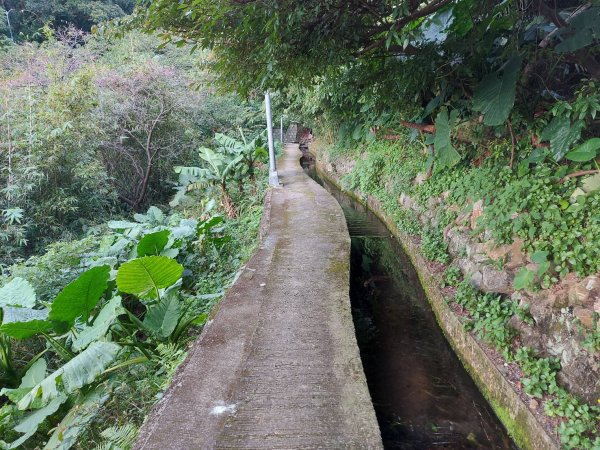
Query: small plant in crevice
x: 434, y: 247
x: 540, y: 373
x: 489, y: 316
x: 452, y: 276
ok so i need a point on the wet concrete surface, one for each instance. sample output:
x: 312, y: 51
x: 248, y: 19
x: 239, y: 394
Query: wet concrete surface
x: 279, y: 367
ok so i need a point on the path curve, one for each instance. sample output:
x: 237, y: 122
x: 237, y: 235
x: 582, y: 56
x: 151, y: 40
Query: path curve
x: 279, y: 366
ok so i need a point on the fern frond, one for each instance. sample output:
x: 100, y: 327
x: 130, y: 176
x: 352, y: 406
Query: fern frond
x: 119, y: 438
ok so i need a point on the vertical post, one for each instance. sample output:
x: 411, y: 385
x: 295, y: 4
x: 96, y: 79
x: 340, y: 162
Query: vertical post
x: 12, y: 38
x: 281, y: 130
x: 273, y: 178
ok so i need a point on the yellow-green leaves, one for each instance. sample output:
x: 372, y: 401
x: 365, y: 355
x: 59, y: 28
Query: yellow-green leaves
x: 145, y: 276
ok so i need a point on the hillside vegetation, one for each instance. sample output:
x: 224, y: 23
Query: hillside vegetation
x: 130, y: 195
x: 475, y: 124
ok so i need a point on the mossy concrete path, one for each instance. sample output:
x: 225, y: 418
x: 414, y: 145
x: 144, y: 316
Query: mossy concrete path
x: 279, y: 366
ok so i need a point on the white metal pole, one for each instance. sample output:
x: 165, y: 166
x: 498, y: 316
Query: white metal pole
x: 12, y: 37
x: 273, y: 178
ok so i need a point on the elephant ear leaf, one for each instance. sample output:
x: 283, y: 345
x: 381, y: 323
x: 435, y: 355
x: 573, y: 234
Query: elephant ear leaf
x: 35, y: 374
x: 445, y: 154
x: 17, y: 292
x: 153, y: 243
x: 23, y: 323
x: 145, y: 276
x: 102, y: 323
x: 163, y: 317
x: 80, y: 371
x: 495, y: 95
x: 83, y: 411
x: 30, y: 423
x: 80, y: 297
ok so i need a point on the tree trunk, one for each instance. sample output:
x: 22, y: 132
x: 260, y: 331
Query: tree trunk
x: 227, y: 202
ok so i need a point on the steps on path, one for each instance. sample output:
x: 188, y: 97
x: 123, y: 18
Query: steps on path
x: 279, y: 366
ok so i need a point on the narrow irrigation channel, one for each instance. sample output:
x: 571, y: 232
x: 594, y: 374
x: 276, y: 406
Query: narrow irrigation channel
x: 423, y: 397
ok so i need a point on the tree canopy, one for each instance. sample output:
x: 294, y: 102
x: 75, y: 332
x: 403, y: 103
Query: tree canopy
x: 24, y: 18
x: 372, y: 64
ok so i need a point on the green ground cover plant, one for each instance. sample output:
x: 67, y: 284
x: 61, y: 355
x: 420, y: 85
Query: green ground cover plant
x: 534, y: 205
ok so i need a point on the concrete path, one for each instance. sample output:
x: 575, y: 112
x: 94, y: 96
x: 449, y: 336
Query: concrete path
x: 279, y: 366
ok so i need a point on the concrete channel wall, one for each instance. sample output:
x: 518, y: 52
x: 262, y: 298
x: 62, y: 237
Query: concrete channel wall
x: 522, y: 425
x: 279, y: 365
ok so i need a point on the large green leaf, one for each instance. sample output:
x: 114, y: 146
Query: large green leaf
x: 79, y: 297
x: 83, y: 411
x: 161, y: 319
x: 153, y: 216
x: 80, y: 371
x: 561, y: 134
x: 153, y: 243
x: 35, y: 374
x: 23, y: 323
x: 17, y: 292
x: 584, y: 152
x: 581, y: 32
x: 105, y: 318
x: 495, y: 95
x: 445, y: 153
x: 30, y: 423
x: 145, y: 276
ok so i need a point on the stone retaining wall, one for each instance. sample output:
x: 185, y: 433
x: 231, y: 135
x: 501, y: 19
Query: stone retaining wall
x: 521, y: 423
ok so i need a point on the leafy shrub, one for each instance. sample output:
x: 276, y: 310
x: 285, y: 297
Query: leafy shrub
x: 452, y: 276
x: 130, y: 303
x: 367, y: 174
x: 434, y: 247
x: 540, y: 372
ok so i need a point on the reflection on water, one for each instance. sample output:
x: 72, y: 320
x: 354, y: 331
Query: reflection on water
x: 423, y: 397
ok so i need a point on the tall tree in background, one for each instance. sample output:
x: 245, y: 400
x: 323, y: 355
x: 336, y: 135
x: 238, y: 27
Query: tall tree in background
x: 26, y: 17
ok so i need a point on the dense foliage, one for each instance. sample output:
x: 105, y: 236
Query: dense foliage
x: 96, y: 308
x: 480, y: 84
x: 131, y: 296
x: 553, y: 224
x: 92, y: 128
x: 124, y: 296
x: 368, y: 65
x: 23, y: 19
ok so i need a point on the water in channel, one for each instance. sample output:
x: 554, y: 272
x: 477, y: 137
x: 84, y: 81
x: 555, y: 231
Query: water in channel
x: 423, y: 397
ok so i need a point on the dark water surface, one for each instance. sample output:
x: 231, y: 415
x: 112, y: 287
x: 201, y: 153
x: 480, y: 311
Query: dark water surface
x: 423, y: 397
